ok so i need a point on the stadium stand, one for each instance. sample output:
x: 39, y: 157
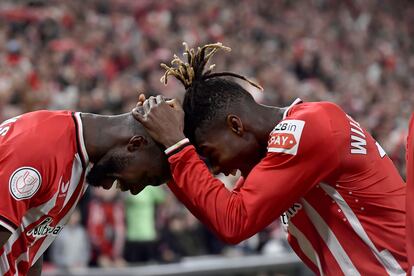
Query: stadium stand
x: 94, y: 56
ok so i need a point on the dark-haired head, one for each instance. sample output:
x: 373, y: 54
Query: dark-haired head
x: 127, y: 154
x: 219, y: 113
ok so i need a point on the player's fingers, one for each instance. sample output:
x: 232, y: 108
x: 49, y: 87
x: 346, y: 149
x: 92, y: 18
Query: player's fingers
x: 141, y: 99
x: 152, y: 101
x: 159, y: 99
x: 169, y: 102
x: 174, y: 103
x: 146, y: 106
x: 138, y: 115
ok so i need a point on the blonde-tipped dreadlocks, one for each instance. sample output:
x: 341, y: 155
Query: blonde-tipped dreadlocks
x: 193, y: 69
x: 209, y: 97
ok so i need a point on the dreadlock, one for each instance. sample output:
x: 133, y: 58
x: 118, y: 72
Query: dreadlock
x: 208, y: 95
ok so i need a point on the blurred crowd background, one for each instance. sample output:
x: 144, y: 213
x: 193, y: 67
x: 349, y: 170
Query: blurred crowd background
x: 96, y: 56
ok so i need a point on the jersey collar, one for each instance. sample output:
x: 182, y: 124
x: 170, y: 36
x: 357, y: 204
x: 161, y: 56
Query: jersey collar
x: 295, y: 102
x: 81, y: 140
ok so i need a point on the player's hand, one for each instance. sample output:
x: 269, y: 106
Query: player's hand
x: 164, y: 120
x: 141, y: 100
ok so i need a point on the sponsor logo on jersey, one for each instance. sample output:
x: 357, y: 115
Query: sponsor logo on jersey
x: 290, y: 213
x: 283, y: 140
x: 44, y: 229
x: 285, y: 137
x: 24, y: 183
x: 63, y: 189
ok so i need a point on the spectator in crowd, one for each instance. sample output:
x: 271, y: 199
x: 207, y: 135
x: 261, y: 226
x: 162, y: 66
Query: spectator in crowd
x: 95, y: 55
x: 71, y: 249
x: 182, y: 236
x: 106, y: 228
x: 141, y: 232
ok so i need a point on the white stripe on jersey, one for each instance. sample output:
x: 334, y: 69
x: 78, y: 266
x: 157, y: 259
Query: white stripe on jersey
x: 384, y: 257
x: 81, y: 138
x: 8, y: 227
x: 331, y: 241
x: 49, y: 239
x: 31, y: 216
x: 4, y: 265
x: 74, y: 183
x: 36, y: 213
x: 305, y: 246
x: 75, y: 177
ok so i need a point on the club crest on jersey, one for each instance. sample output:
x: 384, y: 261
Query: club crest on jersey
x: 44, y: 229
x: 285, y: 137
x: 24, y: 183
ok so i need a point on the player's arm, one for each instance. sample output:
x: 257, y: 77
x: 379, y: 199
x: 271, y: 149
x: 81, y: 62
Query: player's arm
x: 36, y: 269
x: 272, y: 187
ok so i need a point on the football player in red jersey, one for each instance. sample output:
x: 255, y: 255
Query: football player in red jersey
x: 410, y: 194
x: 339, y: 195
x: 45, y: 157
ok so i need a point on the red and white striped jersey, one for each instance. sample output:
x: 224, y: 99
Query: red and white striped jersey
x: 43, y: 162
x: 339, y: 195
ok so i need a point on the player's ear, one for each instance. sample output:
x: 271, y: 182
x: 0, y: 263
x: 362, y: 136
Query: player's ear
x: 235, y: 124
x: 136, y: 142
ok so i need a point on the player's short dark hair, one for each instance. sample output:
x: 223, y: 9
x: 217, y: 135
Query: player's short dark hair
x: 137, y: 128
x: 208, y: 95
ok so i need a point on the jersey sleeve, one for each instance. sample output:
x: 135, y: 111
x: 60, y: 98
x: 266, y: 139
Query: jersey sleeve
x: 18, y: 185
x: 301, y: 153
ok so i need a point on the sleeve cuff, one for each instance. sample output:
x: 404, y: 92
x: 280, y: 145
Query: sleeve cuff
x: 173, y: 157
x: 177, y: 147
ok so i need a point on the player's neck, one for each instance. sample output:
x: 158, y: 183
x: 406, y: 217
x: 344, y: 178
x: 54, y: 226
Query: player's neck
x: 101, y: 133
x: 265, y: 120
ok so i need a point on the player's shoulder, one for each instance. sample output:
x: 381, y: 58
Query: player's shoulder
x: 303, y: 123
x: 37, y: 145
x: 38, y: 134
x: 43, y: 122
x: 313, y: 114
x: 320, y: 117
x: 48, y: 116
x: 37, y: 124
x: 321, y: 111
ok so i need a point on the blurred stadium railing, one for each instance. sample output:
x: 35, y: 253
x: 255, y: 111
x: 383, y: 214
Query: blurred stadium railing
x: 283, y: 264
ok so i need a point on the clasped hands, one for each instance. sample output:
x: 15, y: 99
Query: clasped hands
x: 163, y: 119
